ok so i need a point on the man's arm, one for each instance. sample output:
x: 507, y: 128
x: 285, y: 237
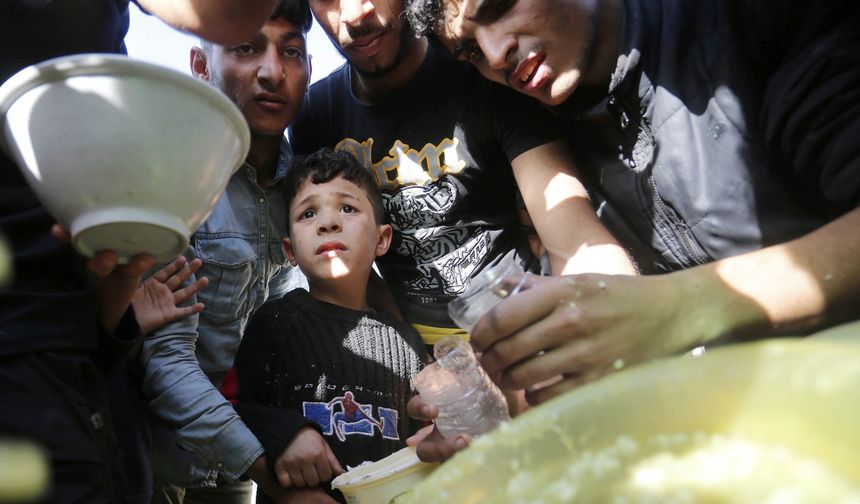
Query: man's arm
x: 597, y: 324
x: 558, y: 204
x: 181, y: 395
x: 220, y: 21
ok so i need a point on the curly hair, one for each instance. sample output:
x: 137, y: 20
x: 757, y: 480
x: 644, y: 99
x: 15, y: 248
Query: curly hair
x: 326, y: 164
x: 427, y: 17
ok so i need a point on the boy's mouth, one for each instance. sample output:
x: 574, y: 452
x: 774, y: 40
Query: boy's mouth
x: 330, y: 249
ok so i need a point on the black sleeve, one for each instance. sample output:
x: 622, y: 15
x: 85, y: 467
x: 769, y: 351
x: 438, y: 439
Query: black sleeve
x: 259, y: 358
x: 124, y: 341
x: 811, y: 106
x: 519, y: 122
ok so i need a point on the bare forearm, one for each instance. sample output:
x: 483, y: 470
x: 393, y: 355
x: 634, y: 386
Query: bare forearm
x: 795, y: 287
x: 220, y: 21
x: 599, y: 254
x: 557, y: 202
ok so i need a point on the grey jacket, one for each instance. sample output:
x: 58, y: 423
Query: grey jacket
x: 196, y: 434
x: 730, y: 125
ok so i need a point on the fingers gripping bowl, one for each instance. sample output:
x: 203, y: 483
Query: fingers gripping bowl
x: 127, y: 155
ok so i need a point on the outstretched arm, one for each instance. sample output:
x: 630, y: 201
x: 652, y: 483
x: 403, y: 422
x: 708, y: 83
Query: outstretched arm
x: 583, y: 327
x: 219, y: 21
x: 558, y: 204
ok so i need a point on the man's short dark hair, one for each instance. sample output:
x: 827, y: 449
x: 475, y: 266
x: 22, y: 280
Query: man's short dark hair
x: 323, y: 166
x: 297, y: 12
x: 427, y: 17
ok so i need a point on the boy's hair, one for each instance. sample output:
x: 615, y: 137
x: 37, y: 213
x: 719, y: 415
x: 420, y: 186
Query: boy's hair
x: 323, y: 166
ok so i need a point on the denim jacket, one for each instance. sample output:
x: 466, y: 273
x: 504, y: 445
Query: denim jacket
x: 197, y: 437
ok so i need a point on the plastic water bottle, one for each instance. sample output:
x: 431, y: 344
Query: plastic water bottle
x: 468, y: 401
x: 485, y: 291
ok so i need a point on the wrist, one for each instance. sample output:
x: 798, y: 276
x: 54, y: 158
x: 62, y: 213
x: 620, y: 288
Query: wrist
x: 712, y: 309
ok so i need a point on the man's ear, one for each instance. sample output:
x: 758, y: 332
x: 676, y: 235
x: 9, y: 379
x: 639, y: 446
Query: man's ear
x: 384, y: 241
x: 199, y: 63
x: 288, y: 250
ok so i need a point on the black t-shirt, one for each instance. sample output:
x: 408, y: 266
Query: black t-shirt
x: 440, y: 150
x: 49, y: 303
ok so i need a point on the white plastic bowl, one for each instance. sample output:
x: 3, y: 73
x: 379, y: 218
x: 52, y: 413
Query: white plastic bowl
x: 128, y: 155
x: 384, y: 480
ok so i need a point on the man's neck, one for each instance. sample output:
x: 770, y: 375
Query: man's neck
x: 263, y: 156
x: 369, y: 89
x: 353, y: 297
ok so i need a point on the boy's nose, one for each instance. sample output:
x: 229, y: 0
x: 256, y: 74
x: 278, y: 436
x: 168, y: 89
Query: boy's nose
x: 329, y: 224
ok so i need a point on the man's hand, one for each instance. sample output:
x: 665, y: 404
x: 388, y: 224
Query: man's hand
x: 156, y: 302
x: 430, y: 445
x: 114, y: 283
x: 567, y: 331
x: 307, y: 461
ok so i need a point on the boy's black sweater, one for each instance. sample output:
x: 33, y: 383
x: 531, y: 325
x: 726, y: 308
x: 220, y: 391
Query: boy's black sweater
x: 301, y: 359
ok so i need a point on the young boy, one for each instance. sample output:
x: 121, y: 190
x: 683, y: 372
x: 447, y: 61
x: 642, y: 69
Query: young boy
x: 320, y: 373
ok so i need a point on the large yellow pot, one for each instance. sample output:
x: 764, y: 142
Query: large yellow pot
x: 799, y: 396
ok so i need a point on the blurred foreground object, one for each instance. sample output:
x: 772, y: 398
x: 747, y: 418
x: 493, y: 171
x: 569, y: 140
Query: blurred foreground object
x: 23, y: 471
x: 126, y: 155
x: 5, y: 263
x: 746, y: 423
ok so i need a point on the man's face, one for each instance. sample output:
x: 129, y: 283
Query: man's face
x: 265, y: 77
x: 538, y: 47
x: 371, y: 34
x: 333, y: 232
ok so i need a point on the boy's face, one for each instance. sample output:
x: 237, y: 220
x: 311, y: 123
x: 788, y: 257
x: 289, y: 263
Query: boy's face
x: 265, y: 77
x: 538, y: 47
x: 333, y: 233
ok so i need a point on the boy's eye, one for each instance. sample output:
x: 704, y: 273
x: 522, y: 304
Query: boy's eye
x: 348, y: 209
x: 307, y: 214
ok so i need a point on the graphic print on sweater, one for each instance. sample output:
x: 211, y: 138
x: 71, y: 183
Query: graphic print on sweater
x: 343, y: 416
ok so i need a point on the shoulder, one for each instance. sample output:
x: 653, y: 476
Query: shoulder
x: 280, y: 310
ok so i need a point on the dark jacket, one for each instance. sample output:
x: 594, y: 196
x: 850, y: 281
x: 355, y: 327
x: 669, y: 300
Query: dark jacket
x: 730, y: 125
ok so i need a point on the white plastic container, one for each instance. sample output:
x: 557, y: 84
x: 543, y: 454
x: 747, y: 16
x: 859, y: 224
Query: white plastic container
x: 385, y: 479
x: 127, y: 155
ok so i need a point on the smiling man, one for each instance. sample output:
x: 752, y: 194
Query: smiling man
x: 200, y: 446
x: 721, y: 138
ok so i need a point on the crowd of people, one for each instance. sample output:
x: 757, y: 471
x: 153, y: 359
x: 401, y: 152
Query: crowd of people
x: 689, y: 170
